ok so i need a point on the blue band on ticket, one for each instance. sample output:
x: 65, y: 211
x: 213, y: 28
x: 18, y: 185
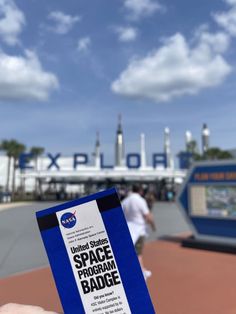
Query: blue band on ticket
x: 92, y: 257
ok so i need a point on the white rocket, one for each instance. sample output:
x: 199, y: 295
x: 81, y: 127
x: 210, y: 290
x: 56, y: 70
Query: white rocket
x: 167, y: 147
x: 205, y: 138
x: 143, y: 151
x: 119, y: 146
x: 97, y: 153
x: 188, y: 139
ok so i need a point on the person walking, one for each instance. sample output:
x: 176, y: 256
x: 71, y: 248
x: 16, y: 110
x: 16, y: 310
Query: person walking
x: 138, y: 216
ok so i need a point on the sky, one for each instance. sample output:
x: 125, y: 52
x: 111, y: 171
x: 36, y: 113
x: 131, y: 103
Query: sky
x: 69, y: 68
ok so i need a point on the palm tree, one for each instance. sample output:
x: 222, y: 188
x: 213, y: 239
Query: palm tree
x: 6, y: 146
x: 13, y: 150
x: 36, y: 151
x: 17, y: 149
x: 215, y: 153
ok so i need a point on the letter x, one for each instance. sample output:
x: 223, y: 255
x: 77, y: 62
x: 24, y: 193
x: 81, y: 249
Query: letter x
x: 54, y: 161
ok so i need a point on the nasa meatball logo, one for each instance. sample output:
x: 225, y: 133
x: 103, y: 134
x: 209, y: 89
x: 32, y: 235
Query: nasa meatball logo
x: 68, y: 220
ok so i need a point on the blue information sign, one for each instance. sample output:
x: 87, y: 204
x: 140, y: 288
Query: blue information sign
x: 208, y: 200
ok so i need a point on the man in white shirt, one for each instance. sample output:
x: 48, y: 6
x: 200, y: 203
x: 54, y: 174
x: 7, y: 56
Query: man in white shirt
x: 138, y: 216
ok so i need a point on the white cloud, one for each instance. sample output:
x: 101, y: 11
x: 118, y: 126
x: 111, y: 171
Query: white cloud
x: 227, y: 19
x: 83, y: 44
x: 175, y: 69
x: 23, y: 78
x: 12, y: 21
x: 141, y: 8
x: 232, y: 2
x: 218, y: 42
x: 127, y: 34
x: 63, y: 22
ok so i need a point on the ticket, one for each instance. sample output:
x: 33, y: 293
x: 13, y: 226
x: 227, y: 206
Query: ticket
x: 92, y: 257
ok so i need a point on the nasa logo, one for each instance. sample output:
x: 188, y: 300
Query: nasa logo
x: 68, y: 220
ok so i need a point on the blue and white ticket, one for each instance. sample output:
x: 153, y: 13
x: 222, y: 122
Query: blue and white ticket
x: 92, y: 257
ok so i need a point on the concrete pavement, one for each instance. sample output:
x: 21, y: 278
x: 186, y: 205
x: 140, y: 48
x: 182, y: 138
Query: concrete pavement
x: 20, y: 241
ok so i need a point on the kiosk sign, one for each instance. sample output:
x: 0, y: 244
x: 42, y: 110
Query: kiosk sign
x: 208, y: 200
x: 92, y: 257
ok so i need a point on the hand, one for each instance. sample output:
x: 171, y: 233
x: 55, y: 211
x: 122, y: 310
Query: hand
x: 12, y: 308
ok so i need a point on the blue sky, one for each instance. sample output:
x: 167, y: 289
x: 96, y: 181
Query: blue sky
x: 68, y: 68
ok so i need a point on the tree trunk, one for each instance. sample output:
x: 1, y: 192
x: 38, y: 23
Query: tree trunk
x: 22, y: 184
x: 36, y: 181
x: 14, y: 178
x: 8, y: 173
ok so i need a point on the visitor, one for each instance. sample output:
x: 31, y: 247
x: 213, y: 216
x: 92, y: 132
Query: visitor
x: 138, y: 216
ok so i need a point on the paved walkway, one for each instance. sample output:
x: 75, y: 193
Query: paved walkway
x: 184, y: 281
x: 190, y: 281
x: 21, y: 244
x: 5, y: 206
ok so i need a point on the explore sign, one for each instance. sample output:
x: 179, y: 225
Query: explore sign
x: 132, y: 161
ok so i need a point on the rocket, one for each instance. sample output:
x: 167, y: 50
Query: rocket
x: 167, y: 146
x: 119, y: 145
x: 97, y: 153
x: 143, y: 150
x: 205, y: 138
x: 188, y: 139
